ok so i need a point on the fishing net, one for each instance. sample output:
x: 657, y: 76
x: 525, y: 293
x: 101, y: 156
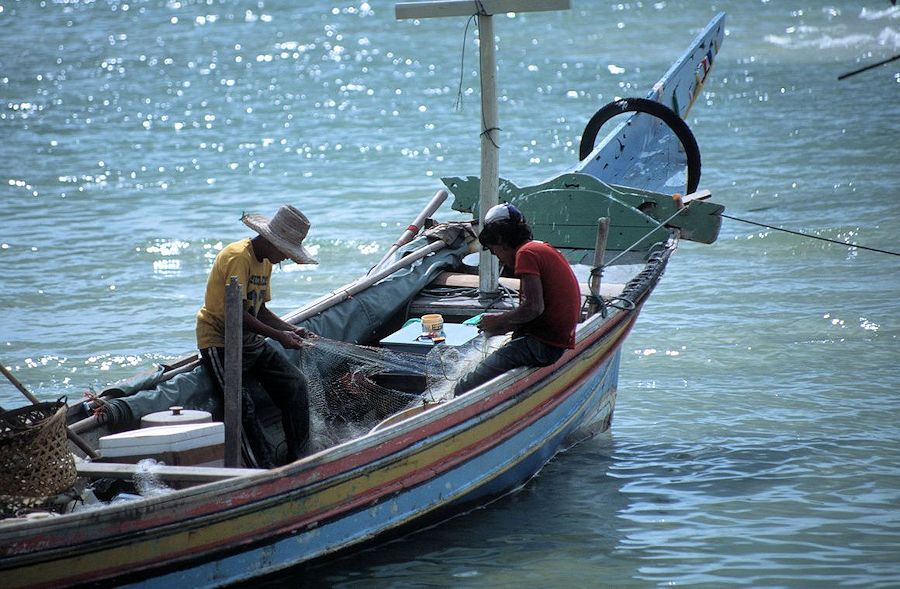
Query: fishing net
x: 353, y: 387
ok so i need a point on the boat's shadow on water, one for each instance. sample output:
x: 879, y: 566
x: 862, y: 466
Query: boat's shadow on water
x: 567, y: 513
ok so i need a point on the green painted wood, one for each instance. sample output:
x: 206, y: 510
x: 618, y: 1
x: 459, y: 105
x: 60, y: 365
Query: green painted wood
x: 568, y: 218
x: 563, y: 211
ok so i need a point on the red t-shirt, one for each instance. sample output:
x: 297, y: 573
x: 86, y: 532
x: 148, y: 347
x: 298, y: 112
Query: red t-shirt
x: 562, y: 295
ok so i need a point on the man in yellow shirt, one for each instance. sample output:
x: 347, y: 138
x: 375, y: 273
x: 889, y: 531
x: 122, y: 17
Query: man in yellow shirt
x: 251, y: 260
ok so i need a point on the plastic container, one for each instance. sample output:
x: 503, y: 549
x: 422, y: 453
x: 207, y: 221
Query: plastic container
x: 433, y: 323
x: 189, y: 444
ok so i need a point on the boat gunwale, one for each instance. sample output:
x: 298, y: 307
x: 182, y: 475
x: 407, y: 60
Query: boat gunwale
x: 267, y: 536
x: 391, y: 445
x: 495, y: 398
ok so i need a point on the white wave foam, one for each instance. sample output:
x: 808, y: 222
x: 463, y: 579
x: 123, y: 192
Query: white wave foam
x: 891, y: 12
x: 823, y: 42
x: 889, y: 37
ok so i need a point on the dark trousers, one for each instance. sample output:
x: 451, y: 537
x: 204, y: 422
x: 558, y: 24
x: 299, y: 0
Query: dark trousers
x: 286, y: 387
x: 520, y: 351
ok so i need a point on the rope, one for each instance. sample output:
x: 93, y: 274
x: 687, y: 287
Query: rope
x: 632, y: 246
x: 462, y: 63
x: 488, y: 132
x: 868, y: 67
x: 792, y: 232
x: 862, y: 247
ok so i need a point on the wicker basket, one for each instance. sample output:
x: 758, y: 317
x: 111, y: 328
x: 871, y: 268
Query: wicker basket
x: 35, y: 461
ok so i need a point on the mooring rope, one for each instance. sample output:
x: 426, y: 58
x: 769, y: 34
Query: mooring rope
x: 749, y: 222
x: 801, y: 234
x: 599, y: 270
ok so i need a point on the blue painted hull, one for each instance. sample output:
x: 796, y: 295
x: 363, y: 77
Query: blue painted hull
x: 504, y: 467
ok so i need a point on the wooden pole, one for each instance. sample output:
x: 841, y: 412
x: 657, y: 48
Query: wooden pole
x: 75, y: 438
x: 488, y: 266
x: 234, y: 335
x: 445, y: 8
x: 599, y: 252
x: 187, y: 474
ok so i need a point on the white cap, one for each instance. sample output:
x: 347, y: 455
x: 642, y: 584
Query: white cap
x: 503, y: 212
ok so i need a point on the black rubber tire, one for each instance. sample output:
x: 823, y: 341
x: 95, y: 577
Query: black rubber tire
x: 655, y: 109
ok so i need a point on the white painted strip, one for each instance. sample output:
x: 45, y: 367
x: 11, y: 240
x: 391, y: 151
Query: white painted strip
x: 181, y: 473
x: 443, y: 8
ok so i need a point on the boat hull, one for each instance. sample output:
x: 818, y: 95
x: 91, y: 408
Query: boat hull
x: 460, y: 454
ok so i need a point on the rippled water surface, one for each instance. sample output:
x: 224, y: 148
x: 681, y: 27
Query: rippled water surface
x: 756, y: 439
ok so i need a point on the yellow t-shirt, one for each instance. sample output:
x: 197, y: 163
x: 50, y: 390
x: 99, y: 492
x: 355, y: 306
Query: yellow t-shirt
x: 236, y: 259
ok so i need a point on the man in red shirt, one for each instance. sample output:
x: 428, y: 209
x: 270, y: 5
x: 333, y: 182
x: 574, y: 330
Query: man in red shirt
x: 543, y: 324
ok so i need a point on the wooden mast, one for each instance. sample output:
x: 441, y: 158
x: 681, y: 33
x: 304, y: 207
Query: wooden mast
x: 490, y: 132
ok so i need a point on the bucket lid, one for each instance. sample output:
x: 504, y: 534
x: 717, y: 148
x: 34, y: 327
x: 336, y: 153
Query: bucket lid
x: 176, y: 415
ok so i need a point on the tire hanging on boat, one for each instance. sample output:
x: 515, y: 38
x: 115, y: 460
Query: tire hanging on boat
x: 655, y: 109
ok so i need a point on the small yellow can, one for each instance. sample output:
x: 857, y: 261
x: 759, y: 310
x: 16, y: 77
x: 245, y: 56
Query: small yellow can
x: 432, y: 323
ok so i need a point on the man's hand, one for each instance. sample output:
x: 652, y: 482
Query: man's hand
x: 493, y: 324
x: 290, y: 339
x: 531, y: 305
x: 303, y: 332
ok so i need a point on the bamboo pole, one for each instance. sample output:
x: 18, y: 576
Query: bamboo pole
x: 363, y: 283
x: 597, y: 266
x: 185, y: 474
x: 88, y: 423
x: 436, y: 201
x: 445, y: 8
x: 75, y: 438
x: 234, y: 335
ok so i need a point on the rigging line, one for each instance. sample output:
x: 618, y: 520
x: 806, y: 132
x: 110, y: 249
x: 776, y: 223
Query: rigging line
x: 868, y: 67
x: 632, y: 246
x: 462, y: 64
x: 488, y: 132
x: 801, y: 234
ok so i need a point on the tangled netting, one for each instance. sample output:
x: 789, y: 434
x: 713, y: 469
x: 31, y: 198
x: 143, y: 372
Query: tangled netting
x: 352, y: 387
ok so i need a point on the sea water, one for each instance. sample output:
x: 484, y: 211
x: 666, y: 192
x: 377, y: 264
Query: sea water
x: 756, y: 438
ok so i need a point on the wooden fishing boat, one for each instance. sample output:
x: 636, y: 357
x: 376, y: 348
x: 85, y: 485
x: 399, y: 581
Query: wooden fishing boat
x: 401, y: 455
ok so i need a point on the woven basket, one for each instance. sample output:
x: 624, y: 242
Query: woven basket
x: 35, y: 461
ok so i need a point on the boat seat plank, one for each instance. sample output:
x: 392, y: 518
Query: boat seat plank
x: 470, y: 306
x: 459, y: 279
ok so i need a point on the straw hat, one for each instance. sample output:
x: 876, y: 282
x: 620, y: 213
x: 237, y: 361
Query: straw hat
x: 286, y: 231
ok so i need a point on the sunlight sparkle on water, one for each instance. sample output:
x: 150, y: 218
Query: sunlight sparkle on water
x: 868, y: 325
x: 167, y: 248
